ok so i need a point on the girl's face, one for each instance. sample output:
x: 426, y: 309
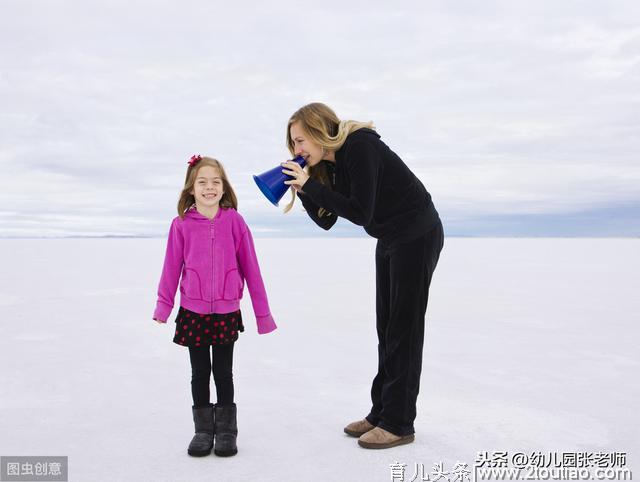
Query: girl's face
x: 303, y: 146
x: 208, y: 188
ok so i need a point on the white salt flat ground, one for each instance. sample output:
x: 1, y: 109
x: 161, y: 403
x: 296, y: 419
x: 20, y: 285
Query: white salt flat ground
x: 532, y: 345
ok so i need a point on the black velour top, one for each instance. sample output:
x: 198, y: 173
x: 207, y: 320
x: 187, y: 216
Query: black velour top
x: 371, y: 187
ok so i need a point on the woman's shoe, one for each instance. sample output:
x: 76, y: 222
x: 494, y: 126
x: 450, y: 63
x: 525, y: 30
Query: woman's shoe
x: 379, y: 438
x: 359, y: 428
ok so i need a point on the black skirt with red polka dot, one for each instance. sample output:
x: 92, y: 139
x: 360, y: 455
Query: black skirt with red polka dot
x: 195, y: 329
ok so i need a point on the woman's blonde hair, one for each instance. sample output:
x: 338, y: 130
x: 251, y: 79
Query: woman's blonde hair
x: 228, y: 200
x: 322, y: 126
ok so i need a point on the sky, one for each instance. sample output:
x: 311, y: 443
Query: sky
x: 521, y: 118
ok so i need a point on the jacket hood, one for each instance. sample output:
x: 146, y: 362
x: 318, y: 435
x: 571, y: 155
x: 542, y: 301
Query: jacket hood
x: 364, y: 134
x: 365, y: 131
x: 192, y: 213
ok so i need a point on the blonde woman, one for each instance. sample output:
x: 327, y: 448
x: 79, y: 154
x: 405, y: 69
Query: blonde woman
x: 352, y: 174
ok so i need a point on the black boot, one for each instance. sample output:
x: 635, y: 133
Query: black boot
x: 202, y: 441
x: 226, y: 428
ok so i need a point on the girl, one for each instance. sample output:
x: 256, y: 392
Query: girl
x: 210, y: 251
x: 353, y: 174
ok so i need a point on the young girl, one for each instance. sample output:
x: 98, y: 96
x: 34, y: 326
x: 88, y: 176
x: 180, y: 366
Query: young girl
x: 210, y: 250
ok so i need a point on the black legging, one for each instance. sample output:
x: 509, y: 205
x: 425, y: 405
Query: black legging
x: 201, y: 374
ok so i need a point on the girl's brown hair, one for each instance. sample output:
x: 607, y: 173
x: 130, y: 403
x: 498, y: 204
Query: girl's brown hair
x: 322, y: 126
x: 228, y: 200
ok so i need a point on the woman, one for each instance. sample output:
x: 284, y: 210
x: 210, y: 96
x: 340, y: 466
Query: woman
x: 354, y: 175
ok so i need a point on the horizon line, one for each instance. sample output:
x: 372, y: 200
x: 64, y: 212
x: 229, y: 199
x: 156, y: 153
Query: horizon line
x: 350, y: 236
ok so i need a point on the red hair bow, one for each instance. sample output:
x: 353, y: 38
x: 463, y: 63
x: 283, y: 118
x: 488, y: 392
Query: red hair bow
x: 194, y: 160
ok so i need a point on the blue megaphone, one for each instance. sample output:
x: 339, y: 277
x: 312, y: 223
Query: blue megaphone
x: 271, y: 182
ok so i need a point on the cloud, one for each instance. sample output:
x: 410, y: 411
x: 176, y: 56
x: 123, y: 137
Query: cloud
x: 502, y: 109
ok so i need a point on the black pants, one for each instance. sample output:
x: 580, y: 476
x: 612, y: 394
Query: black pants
x: 222, y: 356
x: 403, y: 276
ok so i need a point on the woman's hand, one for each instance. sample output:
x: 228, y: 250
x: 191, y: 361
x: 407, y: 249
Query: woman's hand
x: 159, y: 321
x: 294, y: 170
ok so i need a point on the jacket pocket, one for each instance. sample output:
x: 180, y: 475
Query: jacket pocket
x: 190, y: 285
x: 233, y: 285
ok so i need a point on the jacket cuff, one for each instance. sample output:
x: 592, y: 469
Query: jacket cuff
x: 162, y: 312
x: 312, y: 188
x: 265, y: 324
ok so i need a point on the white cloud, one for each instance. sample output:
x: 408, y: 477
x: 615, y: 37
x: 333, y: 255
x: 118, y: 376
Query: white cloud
x: 500, y: 107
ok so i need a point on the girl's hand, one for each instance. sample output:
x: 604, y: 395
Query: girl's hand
x: 160, y: 321
x: 294, y: 170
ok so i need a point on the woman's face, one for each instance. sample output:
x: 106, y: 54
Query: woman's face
x: 303, y: 146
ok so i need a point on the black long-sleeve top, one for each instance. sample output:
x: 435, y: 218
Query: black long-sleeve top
x: 372, y: 187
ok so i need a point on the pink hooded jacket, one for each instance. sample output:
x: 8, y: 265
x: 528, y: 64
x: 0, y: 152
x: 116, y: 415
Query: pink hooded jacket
x: 213, y: 258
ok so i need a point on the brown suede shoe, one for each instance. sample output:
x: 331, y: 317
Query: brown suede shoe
x: 356, y: 429
x: 379, y: 438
